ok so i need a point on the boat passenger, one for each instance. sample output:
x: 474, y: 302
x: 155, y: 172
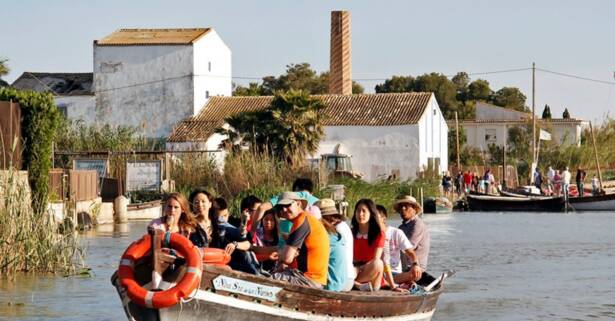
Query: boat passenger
x: 566, y: 177
x: 308, y: 242
x: 342, y: 227
x: 267, y: 236
x: 339, y: 258
x: 248, y: 205
x: 221, y: 207
x: 176, y: 218
x: 201, y: 200
x: 226, y: 236
x: 396, y: 243
x: 369, y: 240
x: 414, y: 228
x: 303, y: 187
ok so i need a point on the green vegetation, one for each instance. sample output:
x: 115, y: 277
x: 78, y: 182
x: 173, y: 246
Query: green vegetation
x: 29, y: 241
x: 298, y: 77
x: 546, y: 113
x: 40, y: 118
x: 4, y: 70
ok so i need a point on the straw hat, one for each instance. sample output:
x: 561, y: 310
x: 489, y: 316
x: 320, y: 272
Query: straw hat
x: 327, y: 207
x: 407, y: 199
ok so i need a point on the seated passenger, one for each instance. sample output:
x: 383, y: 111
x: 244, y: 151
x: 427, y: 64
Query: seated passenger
x: 221, y: 207
x: 267, y: 236
x: 397, y: 242
x: 249, y: 205
x: 369, y: 240
x: 176, y: 218
x: 200, y: 199
x: 339, y: 259
x: 308, y: 242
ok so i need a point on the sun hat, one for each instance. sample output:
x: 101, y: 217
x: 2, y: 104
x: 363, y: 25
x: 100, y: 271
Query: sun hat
x: 287, y: 198
x: 407, y: 199
x: 327, y: 207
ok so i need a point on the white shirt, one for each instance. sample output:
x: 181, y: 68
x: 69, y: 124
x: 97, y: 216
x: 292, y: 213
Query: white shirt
x: 396, y: 241
x: 346, y: 233
x: 551, y: 175
x: 566, y: 176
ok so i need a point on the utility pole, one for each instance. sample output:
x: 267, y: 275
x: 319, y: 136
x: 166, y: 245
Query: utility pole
x: 533, y: 121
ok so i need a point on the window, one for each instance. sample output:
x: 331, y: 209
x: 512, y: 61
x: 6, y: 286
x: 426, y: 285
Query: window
x: 209, y: 66
x: 435, y: 112
x: 206, y: 94
x: 490, y: 135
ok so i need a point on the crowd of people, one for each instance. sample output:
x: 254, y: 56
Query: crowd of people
x: 298, y: 238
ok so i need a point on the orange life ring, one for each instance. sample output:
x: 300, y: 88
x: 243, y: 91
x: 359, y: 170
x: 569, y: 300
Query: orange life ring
x: 160, y: 299
x: 214, y: 256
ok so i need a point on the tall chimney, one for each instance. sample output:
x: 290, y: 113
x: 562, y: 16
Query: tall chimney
x: 339, y: 68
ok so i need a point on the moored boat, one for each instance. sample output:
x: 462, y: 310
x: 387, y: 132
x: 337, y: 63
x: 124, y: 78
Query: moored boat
x: 224, y: 294
x: 515, y: 204
x: 593, y: 203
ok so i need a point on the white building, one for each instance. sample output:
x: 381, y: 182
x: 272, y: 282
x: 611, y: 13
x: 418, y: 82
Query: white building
x: 72, y: 91
x: 492, y: 124
x: 387, y: 134
x: 153, y: 78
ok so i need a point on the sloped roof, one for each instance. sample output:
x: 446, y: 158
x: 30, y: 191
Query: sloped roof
x: 62, y: 84
x: 341, y: 110
x: 152, y: 37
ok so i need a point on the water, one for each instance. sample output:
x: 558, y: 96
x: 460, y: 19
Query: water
x: 509, y: 267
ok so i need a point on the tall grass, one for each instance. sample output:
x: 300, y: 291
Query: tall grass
x: 29, y: 240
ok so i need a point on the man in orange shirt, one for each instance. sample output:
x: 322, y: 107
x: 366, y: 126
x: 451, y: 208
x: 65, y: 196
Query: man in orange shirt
x: 308, y: 241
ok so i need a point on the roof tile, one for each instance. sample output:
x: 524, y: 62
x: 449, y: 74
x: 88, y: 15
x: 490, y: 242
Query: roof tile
x: 150, y: 37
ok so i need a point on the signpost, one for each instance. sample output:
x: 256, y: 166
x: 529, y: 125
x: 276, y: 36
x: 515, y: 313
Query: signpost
x: 143, y: 175
x: 99, y: 165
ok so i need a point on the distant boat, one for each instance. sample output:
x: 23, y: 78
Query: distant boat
x: 514, y: 204
x: 437, y: 205
x: 593, y: 203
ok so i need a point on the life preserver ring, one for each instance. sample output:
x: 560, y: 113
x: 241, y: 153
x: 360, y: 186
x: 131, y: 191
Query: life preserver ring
x: 160, y: 299
x: 214, y: 256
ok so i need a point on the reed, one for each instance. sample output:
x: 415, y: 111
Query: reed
x: 29, y: 240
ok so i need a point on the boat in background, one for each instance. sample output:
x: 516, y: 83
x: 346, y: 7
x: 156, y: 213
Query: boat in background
x: 491, y: 203
x: 593, y: 203
x: 437, y: 205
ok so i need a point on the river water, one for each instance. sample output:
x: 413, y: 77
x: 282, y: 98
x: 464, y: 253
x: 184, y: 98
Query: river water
x: 509, y: 266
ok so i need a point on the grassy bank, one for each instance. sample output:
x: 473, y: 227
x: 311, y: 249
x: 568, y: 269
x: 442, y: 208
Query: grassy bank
x: 29, y: 241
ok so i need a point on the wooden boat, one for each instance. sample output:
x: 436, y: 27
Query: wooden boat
x: 224, y: 294
x: 514, y: 204
x: 593, y: 203
x: 438, y: 205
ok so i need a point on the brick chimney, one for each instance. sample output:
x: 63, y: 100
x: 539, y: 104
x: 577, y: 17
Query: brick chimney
x: 340, y: 82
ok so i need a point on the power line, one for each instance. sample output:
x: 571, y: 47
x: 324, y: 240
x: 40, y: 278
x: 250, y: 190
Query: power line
x: 576, y: 77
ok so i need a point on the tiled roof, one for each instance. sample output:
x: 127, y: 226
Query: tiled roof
x: 144, y: 37
x: 62, y: 84
x: 341, y: 110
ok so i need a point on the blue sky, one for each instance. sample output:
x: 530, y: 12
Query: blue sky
x: 388, y: 38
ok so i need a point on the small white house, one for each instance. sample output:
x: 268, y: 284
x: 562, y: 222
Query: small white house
x: 72, y: 91
x: 153, y: 78
x: 492, y: 124
x: 387, y: 134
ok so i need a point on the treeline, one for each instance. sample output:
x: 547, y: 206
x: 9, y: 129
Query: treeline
x: 457, y: 94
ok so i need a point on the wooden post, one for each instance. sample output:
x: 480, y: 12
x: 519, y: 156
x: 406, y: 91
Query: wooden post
x: 504, y: 172
x: 457, y: 136
x: 591, y: 129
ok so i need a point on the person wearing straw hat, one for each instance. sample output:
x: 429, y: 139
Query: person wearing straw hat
x: 341, y: 271
x: 308, y: 242
x: 414, y: 228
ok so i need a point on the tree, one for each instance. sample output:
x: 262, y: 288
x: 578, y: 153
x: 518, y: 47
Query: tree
x: 397, y: 84
x: 479, y: 90
x: 4, y: 70
x: 546, y: 113
x: 452, y: 143
x: 510, y: 97
x: 289, y: 129
x: 566, y: 114
x: 443, y: 89
x: 298, y: 76
x: 461, y: 81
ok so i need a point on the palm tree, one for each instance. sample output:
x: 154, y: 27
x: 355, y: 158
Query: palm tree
x: 4, y: 70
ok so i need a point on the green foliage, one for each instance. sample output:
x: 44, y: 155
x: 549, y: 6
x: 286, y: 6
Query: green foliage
x: 289, y: 129
x: 452, y: 143
x: 443, y: 89
x: 397, y: 84
x: 4, y: 68
x: 298, y: 76
x: 546, y: 113
x: 566, y: 114
x: 479, y: 90
x: 76, y: 136
x: 40, y: 118
x: 510, y: 97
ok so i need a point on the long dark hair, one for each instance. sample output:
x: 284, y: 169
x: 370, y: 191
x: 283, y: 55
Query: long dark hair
x: 375, y: 229
x: 193, y: 194
x: 276, y: 229
x: 215, y: 224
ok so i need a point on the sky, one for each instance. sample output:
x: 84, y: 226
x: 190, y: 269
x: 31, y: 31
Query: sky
x: 388, y: 38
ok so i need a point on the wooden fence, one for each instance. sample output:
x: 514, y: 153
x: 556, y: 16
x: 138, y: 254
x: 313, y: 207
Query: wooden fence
x: 75, y: 185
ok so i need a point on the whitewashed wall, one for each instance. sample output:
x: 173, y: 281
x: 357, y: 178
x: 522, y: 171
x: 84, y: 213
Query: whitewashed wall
x: 78, y: 107
x: 149, y: 87
x: 377, y: 151
x: 433, y: 138
x: 212, y: 69
x: 485, y: 111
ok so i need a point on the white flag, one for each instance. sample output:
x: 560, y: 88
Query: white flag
x: 544, y: 135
